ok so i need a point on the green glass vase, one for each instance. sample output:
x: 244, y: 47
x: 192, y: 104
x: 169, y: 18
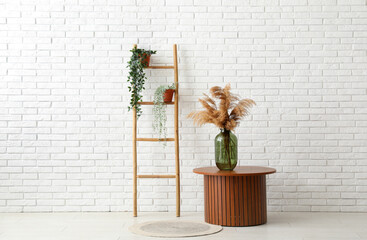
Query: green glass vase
x: 225, y: 150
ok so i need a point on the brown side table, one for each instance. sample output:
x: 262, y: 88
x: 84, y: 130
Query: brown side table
x: 235, y: 198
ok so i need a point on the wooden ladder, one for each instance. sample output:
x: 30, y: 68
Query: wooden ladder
x: 175, y: 139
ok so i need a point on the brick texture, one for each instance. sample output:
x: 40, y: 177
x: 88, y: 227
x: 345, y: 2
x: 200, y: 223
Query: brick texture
x: 65, y: 132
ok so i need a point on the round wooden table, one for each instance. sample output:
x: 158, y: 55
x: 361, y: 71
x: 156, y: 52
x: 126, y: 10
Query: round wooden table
x: 235, y: 198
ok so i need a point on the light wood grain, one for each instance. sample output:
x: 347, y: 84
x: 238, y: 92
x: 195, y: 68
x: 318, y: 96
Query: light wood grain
x: 135, y: 170
x: 175, y: 139
x: 152, y: 103
x: 156, y: 176
x: 178, y: 199
x: 161, y: 67
x: 155, y: 139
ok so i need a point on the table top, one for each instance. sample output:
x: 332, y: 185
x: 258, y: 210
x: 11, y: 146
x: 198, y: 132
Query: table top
x: 238, y: 171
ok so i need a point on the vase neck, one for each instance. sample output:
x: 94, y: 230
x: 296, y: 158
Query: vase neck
x: 223, y: 130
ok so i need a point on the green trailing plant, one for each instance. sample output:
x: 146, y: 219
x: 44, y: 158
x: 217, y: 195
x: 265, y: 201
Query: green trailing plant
x: 137, y: 76
x: 159, y: 111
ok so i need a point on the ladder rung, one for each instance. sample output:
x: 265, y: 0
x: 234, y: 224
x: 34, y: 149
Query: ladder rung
x: 152, y: 103
x: 161, y: 67
x: 156, y: 176
x: 155, y: 139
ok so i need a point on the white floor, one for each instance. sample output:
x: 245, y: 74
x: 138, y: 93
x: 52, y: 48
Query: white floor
x: 114, y: 226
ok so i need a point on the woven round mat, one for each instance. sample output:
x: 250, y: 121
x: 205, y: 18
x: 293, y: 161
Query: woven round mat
x: 174, y: 228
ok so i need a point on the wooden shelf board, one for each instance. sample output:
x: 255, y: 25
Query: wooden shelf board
x: 156, y: 176
x: 161, y: 67
x: 155, y: 139
x: 152, y: 103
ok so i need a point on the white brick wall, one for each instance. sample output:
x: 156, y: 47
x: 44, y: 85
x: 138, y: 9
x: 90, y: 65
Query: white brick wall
x: 65, y: 133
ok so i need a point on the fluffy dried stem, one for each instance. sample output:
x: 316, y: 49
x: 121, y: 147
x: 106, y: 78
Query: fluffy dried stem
x: 228, y: 114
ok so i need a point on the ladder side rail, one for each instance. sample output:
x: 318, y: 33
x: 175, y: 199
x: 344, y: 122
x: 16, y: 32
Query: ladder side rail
x: 135, y: 170
x: 177, y: 159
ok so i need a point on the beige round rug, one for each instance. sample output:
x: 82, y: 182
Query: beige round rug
x: 174, y: 228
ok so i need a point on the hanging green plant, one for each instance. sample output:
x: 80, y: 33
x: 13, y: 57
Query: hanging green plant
x: 159, y: 109
x: 138, y: 61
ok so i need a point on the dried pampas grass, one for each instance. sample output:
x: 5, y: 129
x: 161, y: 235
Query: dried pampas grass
x: 228, y: 114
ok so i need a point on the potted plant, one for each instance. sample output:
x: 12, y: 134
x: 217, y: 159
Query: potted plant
x: 163, y: 94
x: 138, y: 61
x: 226, y: 116
x: 168, y: 94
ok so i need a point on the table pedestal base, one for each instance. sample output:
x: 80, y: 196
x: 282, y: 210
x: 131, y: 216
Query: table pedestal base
x: 235, y: 200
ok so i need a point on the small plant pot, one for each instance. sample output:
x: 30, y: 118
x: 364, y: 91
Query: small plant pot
x: 168, y: 95
x: 145, y: 61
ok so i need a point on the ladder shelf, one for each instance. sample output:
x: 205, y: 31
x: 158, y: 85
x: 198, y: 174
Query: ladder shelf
x: 152, y: 103
x: 161, y: 67
x: 175, y: 139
